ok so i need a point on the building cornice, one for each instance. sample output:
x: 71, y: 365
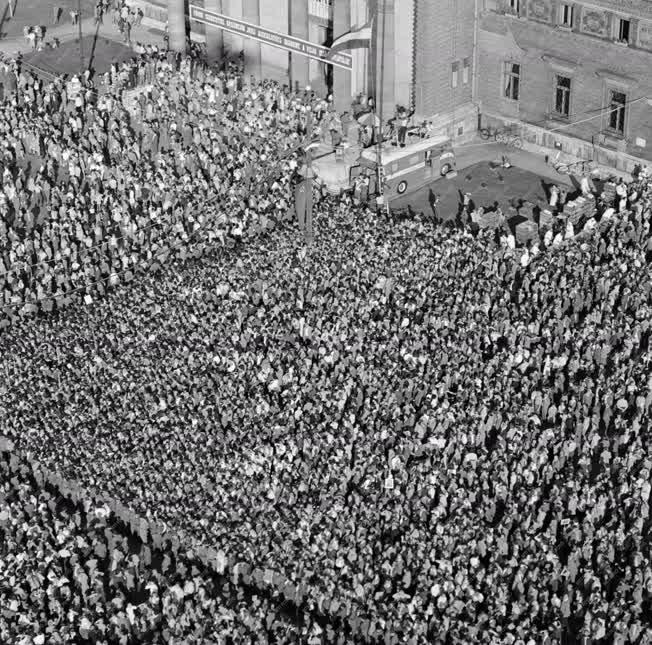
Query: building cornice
x: 614, y: 77
x: 636, y: 8
x: 560, y: 63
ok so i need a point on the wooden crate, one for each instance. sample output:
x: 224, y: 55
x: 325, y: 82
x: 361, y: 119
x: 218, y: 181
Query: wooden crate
x: 609, y: 190
x: 526, y: 210
x: 526, y: 231
x: 577, y: 209
x: 489, y: 220
x: 545, y: 219
x: 570, y: 208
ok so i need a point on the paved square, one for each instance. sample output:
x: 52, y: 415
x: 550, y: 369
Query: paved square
x: 100, y: 51
x: 489, y: 184
x: 32, y: 13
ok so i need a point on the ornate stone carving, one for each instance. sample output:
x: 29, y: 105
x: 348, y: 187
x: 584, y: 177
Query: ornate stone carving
x: 540, y: 10
x: 645, y: 34
x: 635, y: 7
x: 595, y: 22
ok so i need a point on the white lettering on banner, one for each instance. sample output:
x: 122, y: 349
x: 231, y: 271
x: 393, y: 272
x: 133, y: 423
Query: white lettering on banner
x: 274, y: 38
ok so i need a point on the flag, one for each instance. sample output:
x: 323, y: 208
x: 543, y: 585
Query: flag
x: 308, y: 215
x: 357, y: 38
x: 300, y: 202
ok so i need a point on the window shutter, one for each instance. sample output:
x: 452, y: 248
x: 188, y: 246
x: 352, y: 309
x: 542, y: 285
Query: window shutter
x: 454, y: 68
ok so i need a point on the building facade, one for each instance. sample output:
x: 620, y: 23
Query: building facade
x: 569, y: 76
x: 572, y: 76
x: 316, y: 21
x: 319, y: 22
x: 416, y: 44
x: 444, y: 64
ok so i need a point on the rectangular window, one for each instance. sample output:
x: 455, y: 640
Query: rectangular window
x: 513, y: 6
x: 512, y: 81
x: 454, y: 74
x: 623, y: 30
x: 617, y: 104
x: 562, y: 95
x: 465, y: 71
x: 566, y: 15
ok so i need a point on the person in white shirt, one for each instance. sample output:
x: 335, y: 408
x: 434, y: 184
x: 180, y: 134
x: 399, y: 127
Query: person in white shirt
x: 621, y: 195
x: 570, y: 231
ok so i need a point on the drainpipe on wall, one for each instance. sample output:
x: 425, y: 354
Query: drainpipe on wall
x: 474, y: 81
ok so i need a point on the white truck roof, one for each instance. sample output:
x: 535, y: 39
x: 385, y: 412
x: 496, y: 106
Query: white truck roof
x: 394, y: 153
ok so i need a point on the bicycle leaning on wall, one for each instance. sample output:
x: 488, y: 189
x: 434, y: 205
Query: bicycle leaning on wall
x: 581, y: 167
x: 504, y: 136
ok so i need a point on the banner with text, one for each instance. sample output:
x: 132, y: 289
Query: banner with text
x: 269, y: 37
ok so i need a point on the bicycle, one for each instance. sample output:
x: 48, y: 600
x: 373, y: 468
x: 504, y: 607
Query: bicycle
x: 575, y: 167
x: 488, y: 132
x: 560, y: 166
x: 501, y: 136
x: 418, y: 132
x: 510, y: 139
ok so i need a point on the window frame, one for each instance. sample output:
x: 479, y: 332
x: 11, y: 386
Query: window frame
x: 455, y: 74
x: 563, y: 8
x: 514, y: 7
x: 466, y: 66
x: 566, y: 91
x: 509, y: 73
x: 622, y: 109
x: 618, y: 24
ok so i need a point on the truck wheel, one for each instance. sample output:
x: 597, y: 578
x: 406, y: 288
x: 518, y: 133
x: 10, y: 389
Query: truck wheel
x: 445, y: 169
x: 402, y: 187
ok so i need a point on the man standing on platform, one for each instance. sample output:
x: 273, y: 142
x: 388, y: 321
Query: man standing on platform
x: 403, y: 121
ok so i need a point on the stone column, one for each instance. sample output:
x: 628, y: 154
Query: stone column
x: 360, y: 76
x: 383, y: 57
x: 253, y: 62
x: 577, y: 18
x: 214, y: 36
x: 341, y: 77
x: 298, y: 19
x: 177, y: 25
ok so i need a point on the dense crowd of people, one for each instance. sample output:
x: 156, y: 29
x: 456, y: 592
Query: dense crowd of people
x: 426, y: 435
x: 410, y: 427
x: 94, y: 190
x: 75, y: 573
